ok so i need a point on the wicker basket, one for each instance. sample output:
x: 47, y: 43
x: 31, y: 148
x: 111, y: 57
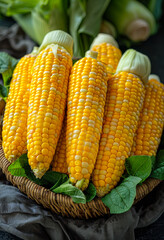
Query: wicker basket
x: 62, y: 204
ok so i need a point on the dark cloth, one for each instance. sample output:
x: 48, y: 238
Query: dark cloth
x: 26, y: 219
x: 14, y: 41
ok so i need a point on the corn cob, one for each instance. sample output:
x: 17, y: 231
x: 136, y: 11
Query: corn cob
x: 15, y: 118
x: 109, y: 54
x: 124, y: 101
x: 59, y: 163
x: 108, y: 51
x: 149, y: 131
x: 86, y: 100
x: 48, y: 99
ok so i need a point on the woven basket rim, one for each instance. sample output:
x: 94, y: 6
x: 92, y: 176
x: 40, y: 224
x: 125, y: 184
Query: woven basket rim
x: 62, y: 204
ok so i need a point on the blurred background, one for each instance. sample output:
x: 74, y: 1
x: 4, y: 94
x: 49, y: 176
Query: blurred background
x: 130, y: 22
x: 134, y: 24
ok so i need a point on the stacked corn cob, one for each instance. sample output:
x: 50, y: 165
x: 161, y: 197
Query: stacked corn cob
x: 14, y: 130
x: 86, y: 101
x: 108, y: 51
x: 59, y: 163
x: 33, y: 119
x: 151, y: 121
x: 48, y: 99
x: 109, y: 54
x: 112, y: 111
x: 123, y: 106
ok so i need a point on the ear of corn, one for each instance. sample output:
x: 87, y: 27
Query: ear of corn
x: 15, y: 118
x: 109, y: 54
x: 48, y: 99
x: 108, y: 51
x: 124, y: 102
x: 59, y: 163
x: 151, y: 122
x: 86, y: 100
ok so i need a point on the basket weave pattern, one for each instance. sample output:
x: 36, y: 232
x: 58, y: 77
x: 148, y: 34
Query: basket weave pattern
x: 62, y: 204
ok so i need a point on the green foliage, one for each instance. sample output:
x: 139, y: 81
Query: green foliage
x: 7, y: 65
x: 139, y: 166
x: 121, y: 198
x: 68, y: 189
x: 158, y: 168
x: 55, y: 181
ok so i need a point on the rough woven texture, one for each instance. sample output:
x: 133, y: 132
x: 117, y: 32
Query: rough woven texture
x: 62, y: 204
x: 27, y: 220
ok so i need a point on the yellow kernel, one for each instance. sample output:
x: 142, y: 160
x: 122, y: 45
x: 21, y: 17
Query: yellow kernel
x: 39, y: 158
x: 41, y: 166
x: 78, y: 169
x: 101, y: 183
x: 45, y: 145
x: 78, y: 176
x: 84, y: 171
x: 44, y: 151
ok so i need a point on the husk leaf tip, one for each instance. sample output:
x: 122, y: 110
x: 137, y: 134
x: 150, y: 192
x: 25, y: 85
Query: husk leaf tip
x: 92, y: 54
x: 135, y: 62
x: 104, y: 38
x: 58, y: 37
x: 154, y: 76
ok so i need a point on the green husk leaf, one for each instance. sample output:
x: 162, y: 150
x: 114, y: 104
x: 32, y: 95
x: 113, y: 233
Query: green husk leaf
x: 26, y: 23
x: 36, y: 17
x: 83, y: 16
x: 10, y: 7
x: 122, y: 13
x: 155, y: 6
x: 68, y: 189
x: 139, y: 166
x: 158, y: 169
x: 77, y: 12
x: 121, y: 198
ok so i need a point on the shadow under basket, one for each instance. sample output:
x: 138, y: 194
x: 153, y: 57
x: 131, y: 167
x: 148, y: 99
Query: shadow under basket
x: 62, y: 204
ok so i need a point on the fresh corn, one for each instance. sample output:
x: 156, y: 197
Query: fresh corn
x: 124, y: 102
x: 109, y: 54
x: 59, y: 163
x: 14, y: 131
x: 48, y: 99
x: 86, y: 100
x: 149, y: 131
x: 108, y: 51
